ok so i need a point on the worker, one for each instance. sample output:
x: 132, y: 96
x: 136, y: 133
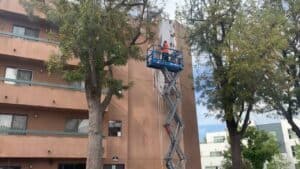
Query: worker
x: 165, y: 51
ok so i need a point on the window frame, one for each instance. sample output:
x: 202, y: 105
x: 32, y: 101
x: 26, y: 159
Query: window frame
x: 293, y: 149
x: 216, y: 138
x: 211, y: 154
x: 27, y: 27
x: 110, y: 165
x: 31, y: 77
x: 121, y: 128
x: 77, y: 125
x: 73, y: 165
x: 292, y: 134
x: 18, y: 69
x: 13, y: 115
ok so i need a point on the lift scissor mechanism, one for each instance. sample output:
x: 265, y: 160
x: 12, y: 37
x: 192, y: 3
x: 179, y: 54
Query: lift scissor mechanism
x: 170, y: 68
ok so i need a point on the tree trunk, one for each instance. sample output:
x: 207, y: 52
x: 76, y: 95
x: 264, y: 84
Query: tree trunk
x: 95, y: 150
x: 236, y: 152
x: 294, y: 126
x: 235, y: 144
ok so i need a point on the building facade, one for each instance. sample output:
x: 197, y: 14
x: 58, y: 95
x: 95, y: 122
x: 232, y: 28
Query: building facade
x: 43, y: 118
x: 217, y: 142
x: 286, y: 138
x: 212, y: 150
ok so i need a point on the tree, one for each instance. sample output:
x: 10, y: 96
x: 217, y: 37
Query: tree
x: 278, y: 162
x: 243, y: 41
x: 259, y: 147
x: 285, y: 96
x: 101, y: 34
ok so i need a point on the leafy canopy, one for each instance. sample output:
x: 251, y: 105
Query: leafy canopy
x: 100, y: 33
x: 243, y: 42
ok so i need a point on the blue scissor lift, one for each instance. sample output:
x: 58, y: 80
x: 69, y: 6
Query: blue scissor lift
x: 170, y: 67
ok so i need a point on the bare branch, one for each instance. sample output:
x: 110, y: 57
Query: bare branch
x: 141, y: 18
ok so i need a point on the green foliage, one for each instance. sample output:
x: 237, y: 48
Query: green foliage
x: 285, y: 96
x: 101, y: 34
x: 259, y: 147
x: 243, y: 42
x: 278, y: 162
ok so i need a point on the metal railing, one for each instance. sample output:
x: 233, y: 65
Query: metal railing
x: 33, y: 83
x: 9, y: 131
x: 9, y: 34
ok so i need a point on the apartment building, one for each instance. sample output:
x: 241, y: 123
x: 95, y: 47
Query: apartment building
x: 286, y: 138
x: 43, y: 118
x: 212, y: 149
x: 217, y: 142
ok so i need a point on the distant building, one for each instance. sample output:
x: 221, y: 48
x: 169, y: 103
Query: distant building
x: 286, y: 138
x: 217, y: 142
x: 212, y: 150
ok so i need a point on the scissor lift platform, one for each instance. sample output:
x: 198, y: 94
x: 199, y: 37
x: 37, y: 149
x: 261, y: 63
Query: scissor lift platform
x: 174, y: 63
x: 170, y: 66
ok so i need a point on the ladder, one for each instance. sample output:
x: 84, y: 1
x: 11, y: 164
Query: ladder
x: 173, y: 124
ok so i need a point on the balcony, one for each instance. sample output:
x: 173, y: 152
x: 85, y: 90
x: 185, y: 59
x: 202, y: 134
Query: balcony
x: 29, y: 47
x: 26, y: 47
x: 14, y: 6
x: 43, y: 144
x: 42, y: 94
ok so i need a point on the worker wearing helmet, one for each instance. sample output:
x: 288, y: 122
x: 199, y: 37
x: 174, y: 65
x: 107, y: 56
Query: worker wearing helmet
x: 165, y: 51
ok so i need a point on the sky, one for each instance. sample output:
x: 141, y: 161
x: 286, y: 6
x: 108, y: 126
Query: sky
x: 209, y: 123
x: 170, y: 6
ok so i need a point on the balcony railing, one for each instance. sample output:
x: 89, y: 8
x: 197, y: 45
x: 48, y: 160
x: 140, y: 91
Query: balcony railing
x: 9, y: 34
x: 43, y: 94
x: 43, y: 144
x: 33, y: 83
x: 30, y: 47
x: 9, y: 131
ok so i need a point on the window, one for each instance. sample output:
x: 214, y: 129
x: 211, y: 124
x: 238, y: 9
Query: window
x: 77, y: 125
x: 216, y: 153
x: 78, y: 84
x: 25, y: 31
x: 17, y: 74
x: 16, y: 122
x: 10, y: 167
x: 293, y: 150
x: 292, y: 134
x: 211, y: 167
x: 114, y: 166
x: 71, y: 166
x: 114, y: 128
x: 219, y: 139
